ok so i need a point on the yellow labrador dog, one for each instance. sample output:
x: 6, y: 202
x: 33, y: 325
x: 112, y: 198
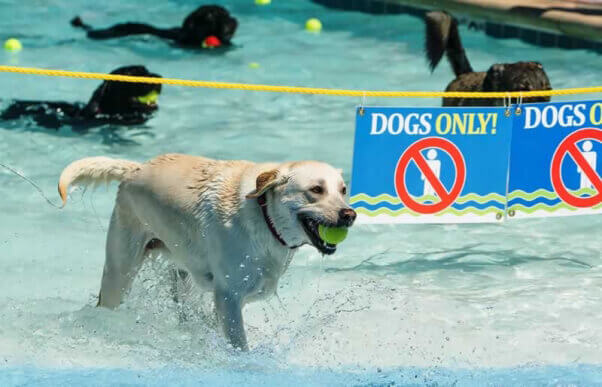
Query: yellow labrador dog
x: 234, y: 226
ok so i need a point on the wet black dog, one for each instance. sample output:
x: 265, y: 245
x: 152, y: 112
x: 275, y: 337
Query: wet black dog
x: 442, y: 36
x: 122, y: 103
x: 205, y: 21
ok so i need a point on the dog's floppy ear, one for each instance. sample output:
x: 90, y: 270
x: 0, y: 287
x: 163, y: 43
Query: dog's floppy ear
x: 265, y: 181
x: 93, y: 105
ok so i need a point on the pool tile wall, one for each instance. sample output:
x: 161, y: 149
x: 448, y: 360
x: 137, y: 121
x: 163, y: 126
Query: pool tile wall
x: 504, y: 31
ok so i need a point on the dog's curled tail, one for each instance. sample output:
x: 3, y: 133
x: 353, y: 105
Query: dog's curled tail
x: 77, y: 22
x: 95, y: 170
x: 442, y: 36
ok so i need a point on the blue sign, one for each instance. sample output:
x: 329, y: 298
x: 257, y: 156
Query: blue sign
x: 436, y: 165
x: 556, y: 164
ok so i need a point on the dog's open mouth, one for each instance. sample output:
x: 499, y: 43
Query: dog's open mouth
x: 311, y: 229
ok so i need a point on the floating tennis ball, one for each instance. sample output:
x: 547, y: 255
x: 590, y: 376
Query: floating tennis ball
x: 13, y: 45
x: 211, y: 42
x: 263, y: 2
x: 313, y: 25
x: 332, y: 235
x: 150, y: 98
x: 254, y: 65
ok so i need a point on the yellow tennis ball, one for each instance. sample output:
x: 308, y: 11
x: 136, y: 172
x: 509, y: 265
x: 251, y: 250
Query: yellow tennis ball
x: 13, y: 45
x: 332, y: 235
x: 254, y: 65
x: 263, y: 2
x: 150, y: 98
x: 313, y: 25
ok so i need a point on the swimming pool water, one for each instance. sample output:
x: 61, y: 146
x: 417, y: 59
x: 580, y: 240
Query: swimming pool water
x: 518, y: 303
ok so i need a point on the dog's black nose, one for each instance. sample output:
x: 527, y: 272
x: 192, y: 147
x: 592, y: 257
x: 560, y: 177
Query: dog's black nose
x: 347, y: 216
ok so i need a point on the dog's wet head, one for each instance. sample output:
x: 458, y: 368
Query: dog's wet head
x: 125, y: 98
x: 301, y: 197
x: 208, y: 20
x: 519, y: 76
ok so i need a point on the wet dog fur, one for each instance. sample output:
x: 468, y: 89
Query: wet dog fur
x: 233, y: 226
x: 443, y: 37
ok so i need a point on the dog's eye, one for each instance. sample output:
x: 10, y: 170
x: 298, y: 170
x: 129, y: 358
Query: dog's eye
x: 344, y: 190
x: 317, y: 189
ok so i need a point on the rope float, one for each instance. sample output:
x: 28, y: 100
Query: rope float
x: 298, y: 90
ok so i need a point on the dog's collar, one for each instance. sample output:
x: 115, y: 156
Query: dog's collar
x: 263, y: 204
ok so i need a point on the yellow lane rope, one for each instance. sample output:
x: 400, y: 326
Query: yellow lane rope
x: 298, y: 90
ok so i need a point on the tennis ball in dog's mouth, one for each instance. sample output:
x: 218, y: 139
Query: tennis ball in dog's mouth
x: 12, y: 45
x: 313, y: 25
x: 332, y: 235
x: 150, y: 98
x: 211, y: 42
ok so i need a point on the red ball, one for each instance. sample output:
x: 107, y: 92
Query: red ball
x: 212, y: 41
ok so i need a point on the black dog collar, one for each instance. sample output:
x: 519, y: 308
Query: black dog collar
x: 263, y: 204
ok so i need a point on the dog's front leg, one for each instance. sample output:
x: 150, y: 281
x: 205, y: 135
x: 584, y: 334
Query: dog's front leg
x: 229, y: 313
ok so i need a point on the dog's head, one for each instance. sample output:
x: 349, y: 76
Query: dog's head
x: 302, y: 196
x: 208, y: 20
x: 125, y: 99
x: 519, y: 76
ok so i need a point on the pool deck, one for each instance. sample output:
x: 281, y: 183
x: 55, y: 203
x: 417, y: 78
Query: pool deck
x: 579, y: 19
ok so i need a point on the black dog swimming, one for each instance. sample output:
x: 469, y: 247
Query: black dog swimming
x: 442, y: 36
x: 113, y: 102
x: 204, y: 22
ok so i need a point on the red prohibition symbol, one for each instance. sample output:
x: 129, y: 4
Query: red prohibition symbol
x: 413, y: 153
x: 569, y: 146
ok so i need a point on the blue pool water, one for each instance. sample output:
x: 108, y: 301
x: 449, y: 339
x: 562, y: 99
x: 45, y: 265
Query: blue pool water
x: 510, y: 304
